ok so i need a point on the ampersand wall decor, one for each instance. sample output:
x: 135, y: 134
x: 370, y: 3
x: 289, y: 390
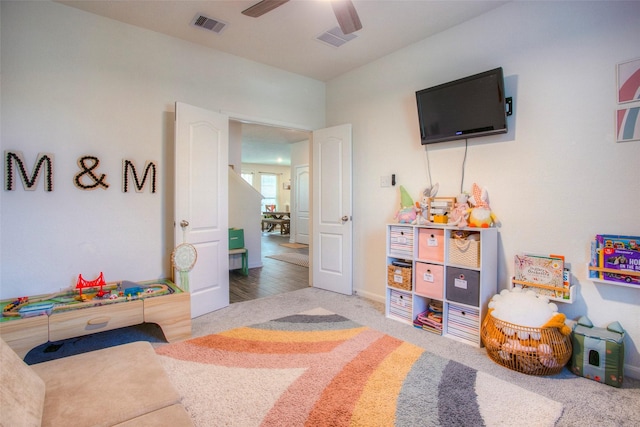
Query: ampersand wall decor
x: 87, y: 169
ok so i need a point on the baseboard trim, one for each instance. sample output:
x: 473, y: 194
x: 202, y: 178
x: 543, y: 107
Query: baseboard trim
x: 369, y: 295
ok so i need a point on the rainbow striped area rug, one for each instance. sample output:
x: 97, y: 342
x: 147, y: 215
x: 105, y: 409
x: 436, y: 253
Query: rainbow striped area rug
x: 321, y: 369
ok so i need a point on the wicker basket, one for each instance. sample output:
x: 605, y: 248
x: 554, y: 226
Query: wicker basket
x: 464, y: 252
x: 399, y: 277
x: 533, y: 351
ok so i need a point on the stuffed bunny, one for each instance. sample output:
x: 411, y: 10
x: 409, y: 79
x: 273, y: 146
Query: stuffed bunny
x: 460, y: 212
x: 422, y: 206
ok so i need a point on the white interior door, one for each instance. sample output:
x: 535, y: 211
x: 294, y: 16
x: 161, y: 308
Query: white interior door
x: 332, y: 191
x: 201, y: 197
x: 301, y: 200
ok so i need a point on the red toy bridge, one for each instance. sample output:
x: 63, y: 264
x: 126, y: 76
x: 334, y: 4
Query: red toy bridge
x: 82, y: 283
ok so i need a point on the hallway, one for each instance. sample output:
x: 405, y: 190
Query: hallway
x: 275, y: 277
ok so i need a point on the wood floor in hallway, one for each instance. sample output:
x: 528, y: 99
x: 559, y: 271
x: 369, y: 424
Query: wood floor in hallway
x: 274, y: 277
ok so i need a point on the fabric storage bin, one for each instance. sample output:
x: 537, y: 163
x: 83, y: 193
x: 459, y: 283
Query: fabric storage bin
x: 401, y: 305
x: 236, y: 238
x: 401, y: 241
x: 465, y: 252
x: 430, y: 280
x: 464, y: 323
x: 399, y: 276
x: 431, y: 244
x: 463, y: 286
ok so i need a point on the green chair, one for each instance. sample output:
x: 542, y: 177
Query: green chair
x: 236, y: 246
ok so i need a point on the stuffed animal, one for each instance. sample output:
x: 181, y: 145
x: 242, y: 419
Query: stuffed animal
x: 460, y: 212
x: 407, y: 212
x: 422, y: 207
x: 480, y: 214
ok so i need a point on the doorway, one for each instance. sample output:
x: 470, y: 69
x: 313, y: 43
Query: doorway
x: 256, y: 150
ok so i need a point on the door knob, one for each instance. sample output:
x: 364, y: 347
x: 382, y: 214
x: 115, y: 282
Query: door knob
x: 184, y: 223
x: 345, y: 218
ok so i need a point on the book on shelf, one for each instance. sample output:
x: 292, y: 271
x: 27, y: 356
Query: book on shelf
x: 616, y: 257
x: 544, y: 274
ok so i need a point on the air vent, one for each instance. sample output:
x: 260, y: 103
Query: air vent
x: 207, y: 23
x: 335, y: 37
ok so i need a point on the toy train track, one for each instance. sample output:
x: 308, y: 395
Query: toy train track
x: 69, y: 299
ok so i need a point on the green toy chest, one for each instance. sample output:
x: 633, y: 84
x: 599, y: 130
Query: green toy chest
x: 598, y: 353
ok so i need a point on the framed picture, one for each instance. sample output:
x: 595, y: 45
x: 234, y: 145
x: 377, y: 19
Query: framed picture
x: 629, y: 81
x: 628, y: 124
x: 439, y: 206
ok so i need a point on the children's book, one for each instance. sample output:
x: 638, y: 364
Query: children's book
x: 616, y: 252
x: 541, y: 273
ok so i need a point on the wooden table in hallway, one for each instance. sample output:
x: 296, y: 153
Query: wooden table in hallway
x: 271, y: 220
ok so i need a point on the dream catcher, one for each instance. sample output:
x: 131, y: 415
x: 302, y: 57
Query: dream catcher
x: 183, y: 258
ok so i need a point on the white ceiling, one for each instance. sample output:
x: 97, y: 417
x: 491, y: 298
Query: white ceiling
x: 285, y: 37
x: 269, y: 145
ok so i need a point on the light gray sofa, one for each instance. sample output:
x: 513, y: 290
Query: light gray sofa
x: 117, y: 386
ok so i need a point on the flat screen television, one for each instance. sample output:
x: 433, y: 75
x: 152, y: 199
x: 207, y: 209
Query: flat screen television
x: 465, y: 108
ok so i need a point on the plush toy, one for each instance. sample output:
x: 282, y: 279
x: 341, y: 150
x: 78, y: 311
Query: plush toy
x: 407, y: 212
x: 422, y: 206
x: 524, y: 308
x: 460, y: 212
x: 480, y: 214
x: 558, y: 321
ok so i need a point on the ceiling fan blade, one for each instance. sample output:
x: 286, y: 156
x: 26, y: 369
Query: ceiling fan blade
x: 346, y: 15
x: 263, y: 7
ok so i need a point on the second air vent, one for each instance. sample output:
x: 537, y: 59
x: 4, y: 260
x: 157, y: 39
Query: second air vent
x: 207, y: 23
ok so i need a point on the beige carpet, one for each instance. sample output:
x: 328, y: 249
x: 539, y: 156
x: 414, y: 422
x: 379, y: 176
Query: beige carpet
x: 292, y: 258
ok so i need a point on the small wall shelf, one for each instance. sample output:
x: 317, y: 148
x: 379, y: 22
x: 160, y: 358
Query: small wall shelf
x: 571, y: 290
x: 632, y: 274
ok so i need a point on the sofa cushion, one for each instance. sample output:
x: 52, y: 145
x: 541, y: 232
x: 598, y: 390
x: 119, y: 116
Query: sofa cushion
x: 21, y: 391
x: 104, y: 387
x: 174, y: 416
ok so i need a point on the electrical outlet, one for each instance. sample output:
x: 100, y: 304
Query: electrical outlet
x: 385, y: 181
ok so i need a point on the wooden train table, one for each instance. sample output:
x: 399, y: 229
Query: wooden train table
x: 30, y: 321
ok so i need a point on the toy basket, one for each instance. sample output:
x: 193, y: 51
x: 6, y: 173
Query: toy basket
x: 533, y: 351
x: 464, y: 252
x: 399, y: 277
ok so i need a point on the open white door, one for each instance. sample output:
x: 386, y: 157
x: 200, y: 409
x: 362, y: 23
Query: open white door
x: 201, y: 210
x: 301, y: 204
x: 332, y: 192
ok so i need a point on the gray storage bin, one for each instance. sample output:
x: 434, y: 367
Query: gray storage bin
x: 463, y: 286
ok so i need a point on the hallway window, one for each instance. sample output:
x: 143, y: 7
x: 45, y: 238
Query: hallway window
x: 268, y: 189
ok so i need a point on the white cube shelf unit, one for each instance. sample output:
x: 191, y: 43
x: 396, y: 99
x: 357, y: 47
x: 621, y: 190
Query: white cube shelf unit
x: 444, y: 272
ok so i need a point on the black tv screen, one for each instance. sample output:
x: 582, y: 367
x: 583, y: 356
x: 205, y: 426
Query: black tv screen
x: 465, y: 108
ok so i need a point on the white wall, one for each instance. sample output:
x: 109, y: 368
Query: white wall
x: 76, y: 84
x: 555, y: 180
x: 244, y: 212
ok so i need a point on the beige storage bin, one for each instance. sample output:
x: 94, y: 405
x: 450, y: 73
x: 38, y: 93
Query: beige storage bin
x: 464, y: 252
